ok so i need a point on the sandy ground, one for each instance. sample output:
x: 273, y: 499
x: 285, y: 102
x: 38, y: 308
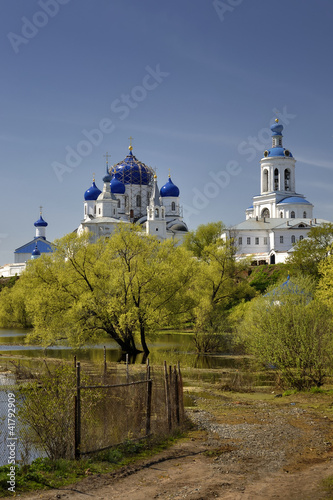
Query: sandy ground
x: 253, y: 450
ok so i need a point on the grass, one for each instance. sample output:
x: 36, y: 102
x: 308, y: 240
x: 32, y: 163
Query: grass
x: 44, y: 473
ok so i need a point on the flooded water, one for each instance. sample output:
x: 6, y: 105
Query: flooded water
x: 169, y: 347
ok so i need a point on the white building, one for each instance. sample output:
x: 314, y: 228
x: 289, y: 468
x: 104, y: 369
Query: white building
x: 31, y: 250
x: 279, y: 216
x: 130, y: 194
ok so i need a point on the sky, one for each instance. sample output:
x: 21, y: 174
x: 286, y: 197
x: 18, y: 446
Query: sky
x: 196, y: 83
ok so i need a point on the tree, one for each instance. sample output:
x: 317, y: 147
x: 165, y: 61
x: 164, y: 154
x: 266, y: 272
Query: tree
x: 292, y: 332
x: 325, y: 270
x: 309, y: 252
x: 126, y: 286
x: 205, y: 235
x: 220, y: 284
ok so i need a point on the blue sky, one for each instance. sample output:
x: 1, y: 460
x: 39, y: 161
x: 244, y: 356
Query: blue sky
x: 195, y: 82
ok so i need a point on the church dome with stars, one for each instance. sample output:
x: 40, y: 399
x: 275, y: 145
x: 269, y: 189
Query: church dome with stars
x: 133, y: 171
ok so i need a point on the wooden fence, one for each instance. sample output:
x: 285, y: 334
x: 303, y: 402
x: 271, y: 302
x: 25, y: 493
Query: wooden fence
x: 107, y: 414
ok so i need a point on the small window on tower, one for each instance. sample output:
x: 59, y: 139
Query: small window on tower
x: 281, y: 239
x: 292, y: 215
x: 304, y: 215
x: 138, y: 200
x: 173, y: 206
x: 293, y: 239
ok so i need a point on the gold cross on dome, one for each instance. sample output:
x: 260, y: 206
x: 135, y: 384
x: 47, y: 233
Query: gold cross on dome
x: 107, y: 156
x: 130, y: 146
x: 40, y: 210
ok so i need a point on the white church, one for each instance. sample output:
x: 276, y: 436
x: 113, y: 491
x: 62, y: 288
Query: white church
x: 279, y: 217
x: 130, y: 194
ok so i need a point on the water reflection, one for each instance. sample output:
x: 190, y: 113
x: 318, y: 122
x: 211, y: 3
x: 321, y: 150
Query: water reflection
x: 169, y: 347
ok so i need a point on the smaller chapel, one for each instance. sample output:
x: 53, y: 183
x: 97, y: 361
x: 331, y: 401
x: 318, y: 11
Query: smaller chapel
x: 130, y: 194
x: 279, y: 216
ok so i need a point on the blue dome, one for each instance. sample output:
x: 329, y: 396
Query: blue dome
x: 169, y: 189
x: 132, y: 171
x: 276, y: 129
x: 117, y: 187
x: 40, y: 222
x: 294, y: 199
x: 279, y: 152
x: 92, y: 193
x: 35, y: 251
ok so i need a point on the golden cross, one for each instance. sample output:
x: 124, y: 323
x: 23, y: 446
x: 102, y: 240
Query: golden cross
x: 107, y: 156
x: 169, y: 172
x: 130, y: 139
x: 40, y: 210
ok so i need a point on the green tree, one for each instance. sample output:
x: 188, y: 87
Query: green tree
x: 220, y: 284
x: 205, y: 235
x: 325, y: 270
x: 291, y: 331
x: 126, y: 286
x: 308, y: 253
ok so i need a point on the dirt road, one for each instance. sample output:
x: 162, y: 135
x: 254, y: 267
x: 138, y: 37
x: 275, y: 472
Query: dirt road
x: 249, y: 449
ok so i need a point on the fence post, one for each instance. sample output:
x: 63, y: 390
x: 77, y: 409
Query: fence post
x: 77, y: 414
x: 105, y: 366
x: 149, y: 391
x: 181, y: 393
x: 167, y: 396
x: 175, y: 381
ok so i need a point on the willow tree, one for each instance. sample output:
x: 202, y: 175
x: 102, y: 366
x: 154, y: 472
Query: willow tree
x: 126, y: 286
x: 221, y: 283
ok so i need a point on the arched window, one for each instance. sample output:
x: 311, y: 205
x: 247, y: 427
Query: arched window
x: 162, y: 213
x: 304, y: 215
x: 138, y: 200
x: 292, y: 215
x: 157, y: 213
x: 265, y: 213
x: 287, y: 179
x: 99, y: 211
x: 293, y: 239
x: 281, y: 215
x: 95, y: 210
x: 301, y: 237
x: 265, y: 181
x: 173, y: 206
x: 85, y: 209
x: 276, y: 179
x: 118, y: 203
x: 126, y: 201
